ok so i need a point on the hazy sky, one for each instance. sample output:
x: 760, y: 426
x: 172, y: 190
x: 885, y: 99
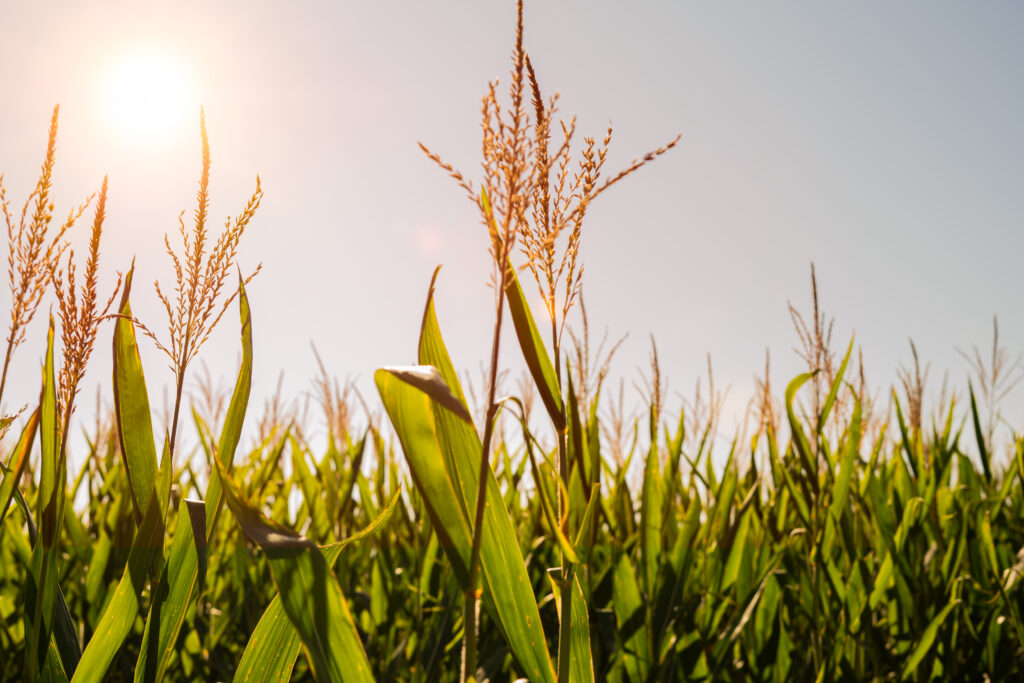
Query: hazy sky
x: 881, y: 141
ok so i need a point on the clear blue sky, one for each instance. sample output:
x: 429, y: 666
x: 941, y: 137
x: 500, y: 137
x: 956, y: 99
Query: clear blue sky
x: 881, y: 141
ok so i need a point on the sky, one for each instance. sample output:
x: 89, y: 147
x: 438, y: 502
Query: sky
x: 880, y: 141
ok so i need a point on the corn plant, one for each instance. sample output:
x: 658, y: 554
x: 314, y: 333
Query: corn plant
x: 846, y: 536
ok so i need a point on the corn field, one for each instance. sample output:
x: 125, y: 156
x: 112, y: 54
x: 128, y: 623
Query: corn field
x: 544, y: 535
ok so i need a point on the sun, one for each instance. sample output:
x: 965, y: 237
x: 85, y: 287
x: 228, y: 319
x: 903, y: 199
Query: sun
x: 149, y: 97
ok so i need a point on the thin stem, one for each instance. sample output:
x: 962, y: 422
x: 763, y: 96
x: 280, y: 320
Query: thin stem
x: 181, y: 364
x: 470, y: 617
x: 177, y: 406
x: 472, y: 597
x: 565, y: 584
x: 7, y: 363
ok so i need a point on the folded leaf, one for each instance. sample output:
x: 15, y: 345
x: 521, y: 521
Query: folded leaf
x: 309, y: 592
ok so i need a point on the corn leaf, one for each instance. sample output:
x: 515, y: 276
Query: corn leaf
x: 833, y: 390
x: 131, y: 408
x: 16, y: 465
x: 581, y: 666
x: 42, y: 590
x: 309, y: 592
x: 651, y: 509
x: 629, y: 617
x: 274, y: 644
x: 534, y: 352
x: 927, y: 640
x: 232, y: 429
x: 123, y: 607
x: 182, y: 578
x: 501, y: 561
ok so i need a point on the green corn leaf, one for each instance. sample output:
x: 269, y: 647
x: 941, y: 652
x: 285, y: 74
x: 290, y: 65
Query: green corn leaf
x: 580, y: 545
x: 53, y: 669
x: 841, y: 490
x: 311, y: 492
x: 270, y: 465
x: 410, y: 414
x: 16, y: 465
x: 506, y: 590
x: 274, y: 644
x: 581, y: 666
x: 356, y: 453
x: 273, y: 647
x: 629, y: 617
x: 165, y: 477
x: 833, y: 391
x: 671, y: 480
x: 796, y: 494
x: 540, y: 476
x: 800, y: 442
x: 42, y: 590
x: 41, y: 595
x: 123, y: 607
x: 65, y: 636
x: 911, y: 443
x: 309, y: 592
x: 49, y: 443
x: 979, y: 435
x: 988, y: 544
x: 576, y: 438
x: 131, y: 407
x: 927, y: 640
x: 881, y: 583
x: 680, y: 561
x: 736, y: 552
x: 534, y: 352
x: 594, y: 440
x: 232, y: 429
x: 742, y: 617
x: 719, y: 517
x: 428, y: 379
x: 182, y: 578
x: 651, y: 509
x: 504, y: 571
x: 443, y: 452
x: 97, y: 567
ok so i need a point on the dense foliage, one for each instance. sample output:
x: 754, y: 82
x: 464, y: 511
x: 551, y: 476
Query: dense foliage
x: 544, y: 535
x: 835, y: 554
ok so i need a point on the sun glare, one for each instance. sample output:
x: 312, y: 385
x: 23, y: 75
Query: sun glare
x: 148, y: 97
